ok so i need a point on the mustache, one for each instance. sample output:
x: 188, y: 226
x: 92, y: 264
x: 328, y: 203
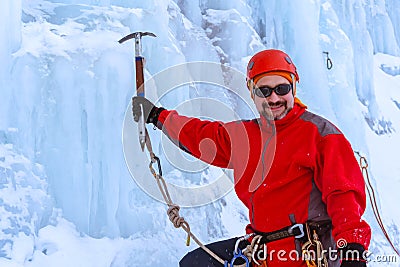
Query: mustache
x: 274, y: 104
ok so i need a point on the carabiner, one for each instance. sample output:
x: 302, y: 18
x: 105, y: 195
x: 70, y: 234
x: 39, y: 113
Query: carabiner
x: 239, y: 254
x: 157, y: 159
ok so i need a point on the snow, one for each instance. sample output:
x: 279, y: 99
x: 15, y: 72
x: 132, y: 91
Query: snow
x: 386, y: 146
x: 67, y: 197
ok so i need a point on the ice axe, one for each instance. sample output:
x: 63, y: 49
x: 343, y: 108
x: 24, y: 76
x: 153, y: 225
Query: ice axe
x: 139, y: 78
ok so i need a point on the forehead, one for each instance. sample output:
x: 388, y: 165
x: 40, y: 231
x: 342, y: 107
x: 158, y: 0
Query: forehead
x: 271, y: 80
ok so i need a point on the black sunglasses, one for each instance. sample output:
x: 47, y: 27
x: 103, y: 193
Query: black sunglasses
x: 265, y: 91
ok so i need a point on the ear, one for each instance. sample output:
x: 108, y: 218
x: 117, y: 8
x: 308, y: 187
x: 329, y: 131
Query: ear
x: 293, y: 85
x: 250, y: 86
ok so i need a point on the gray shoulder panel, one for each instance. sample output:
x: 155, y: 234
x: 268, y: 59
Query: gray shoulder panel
x: 324, y: 126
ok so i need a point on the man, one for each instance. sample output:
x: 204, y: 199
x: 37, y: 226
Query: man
x: 294, y: 170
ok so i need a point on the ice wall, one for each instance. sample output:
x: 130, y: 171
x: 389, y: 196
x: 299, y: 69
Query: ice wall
x: 25, y: 206
x: 10, y: 38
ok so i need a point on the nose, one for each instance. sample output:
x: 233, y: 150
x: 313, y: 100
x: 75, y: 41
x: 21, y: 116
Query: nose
x: 273, y: 97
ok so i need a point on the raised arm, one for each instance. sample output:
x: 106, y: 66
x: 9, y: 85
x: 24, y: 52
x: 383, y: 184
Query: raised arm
x: 208, y: 141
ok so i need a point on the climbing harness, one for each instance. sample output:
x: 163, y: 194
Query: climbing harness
x: 296, y: 230
x: 329, y: 63
x: 371, y: 193
x: 301, y: 233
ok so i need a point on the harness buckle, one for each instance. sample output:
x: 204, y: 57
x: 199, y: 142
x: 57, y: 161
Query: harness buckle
x: 301, y: 229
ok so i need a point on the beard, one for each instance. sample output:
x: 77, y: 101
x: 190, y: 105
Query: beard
x: 267, y: 113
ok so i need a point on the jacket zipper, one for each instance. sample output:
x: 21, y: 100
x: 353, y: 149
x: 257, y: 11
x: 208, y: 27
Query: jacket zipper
x: 252, y: 210
x: 262, y: 177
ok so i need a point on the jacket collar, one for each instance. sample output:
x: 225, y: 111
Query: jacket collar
x: 293, y: 115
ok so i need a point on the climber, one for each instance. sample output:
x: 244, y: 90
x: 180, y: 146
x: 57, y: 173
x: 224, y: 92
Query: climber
x: 294, y: 170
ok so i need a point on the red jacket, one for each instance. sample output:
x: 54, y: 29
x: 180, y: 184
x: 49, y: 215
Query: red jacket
x: 303, y: 166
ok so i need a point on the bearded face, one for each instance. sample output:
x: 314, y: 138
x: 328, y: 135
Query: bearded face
x: 274, y: 106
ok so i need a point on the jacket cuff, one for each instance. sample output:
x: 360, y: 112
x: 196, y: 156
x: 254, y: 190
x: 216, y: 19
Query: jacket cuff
x: 361, y: 235
x: 154, y: 114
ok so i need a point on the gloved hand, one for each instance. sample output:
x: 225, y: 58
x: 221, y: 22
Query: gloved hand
x: 150, y: 111
x: 353, y: 250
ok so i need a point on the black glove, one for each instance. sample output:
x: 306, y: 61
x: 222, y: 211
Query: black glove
x: 150, y: 111
x: 353, y: 250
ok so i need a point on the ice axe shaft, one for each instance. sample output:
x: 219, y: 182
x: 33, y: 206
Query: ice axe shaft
x: 139, y: 78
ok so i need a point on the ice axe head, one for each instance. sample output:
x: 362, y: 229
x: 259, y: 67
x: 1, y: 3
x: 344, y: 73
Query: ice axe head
x: 138, y: 37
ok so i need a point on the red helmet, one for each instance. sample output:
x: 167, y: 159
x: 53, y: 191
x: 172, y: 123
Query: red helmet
x: 270, y: 60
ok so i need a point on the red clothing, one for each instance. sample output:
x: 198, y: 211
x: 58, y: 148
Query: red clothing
x: 303, y: 166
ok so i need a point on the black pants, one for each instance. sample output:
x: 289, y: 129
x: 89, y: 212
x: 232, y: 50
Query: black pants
x: 224, y: 249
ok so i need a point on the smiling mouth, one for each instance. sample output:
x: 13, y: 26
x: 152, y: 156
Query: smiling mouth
x: 272, y: 110
x: 276, y: 107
